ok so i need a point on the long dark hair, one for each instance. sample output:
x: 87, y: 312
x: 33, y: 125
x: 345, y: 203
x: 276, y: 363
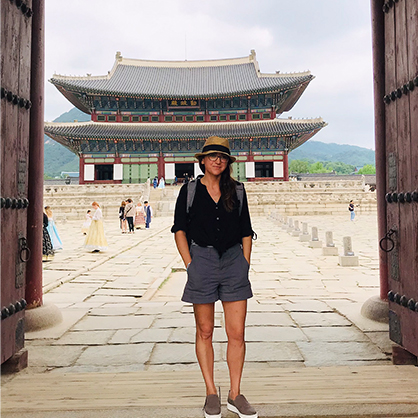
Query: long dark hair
x: 226, y: 184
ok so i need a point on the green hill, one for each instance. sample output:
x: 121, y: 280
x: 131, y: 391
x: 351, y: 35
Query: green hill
x: 314, y: 151
x: 59, y: 158
x: 56, y: 157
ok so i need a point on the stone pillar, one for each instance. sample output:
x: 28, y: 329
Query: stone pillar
x: 290, y: 226
x: 285, y: 221
x: 348, y: 259
x: 314, y: 242
x: 330, y: 248
x: 304, y: 237
x: 296, y: 232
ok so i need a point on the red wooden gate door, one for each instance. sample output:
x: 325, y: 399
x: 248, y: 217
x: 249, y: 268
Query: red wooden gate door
x: 401, y: 120
x: 15, y: 112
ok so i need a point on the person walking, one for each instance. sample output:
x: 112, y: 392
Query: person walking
x: 213, y: 234
x: 352, y: 211
x: 52, y: 230
x: 129, y: 215
x: 139, y: 216
x: 148, y: 214
x: 87, y: 223
x: 95, y: 239
x: 123, y: 222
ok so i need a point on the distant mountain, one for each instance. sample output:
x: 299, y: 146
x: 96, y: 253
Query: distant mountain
x: 320, y: 151
x: 56, y: 157
x: 59, y: 158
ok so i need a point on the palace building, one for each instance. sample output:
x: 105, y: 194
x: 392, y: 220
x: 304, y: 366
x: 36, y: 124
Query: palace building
x: 149, y: 118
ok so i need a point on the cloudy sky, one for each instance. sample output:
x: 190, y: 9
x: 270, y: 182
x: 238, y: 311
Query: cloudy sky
x: 331, y: 38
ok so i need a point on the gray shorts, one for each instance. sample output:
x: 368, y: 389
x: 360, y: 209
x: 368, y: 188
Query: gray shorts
x: 210, y: 277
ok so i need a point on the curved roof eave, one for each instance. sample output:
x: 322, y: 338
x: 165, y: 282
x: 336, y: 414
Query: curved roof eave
x: 183, y: 79
x: 171, y: 131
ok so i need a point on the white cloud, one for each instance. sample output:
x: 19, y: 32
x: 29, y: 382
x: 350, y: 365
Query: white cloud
x: 332, y: 40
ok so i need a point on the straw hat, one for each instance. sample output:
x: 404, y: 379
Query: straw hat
x: 215, y: 144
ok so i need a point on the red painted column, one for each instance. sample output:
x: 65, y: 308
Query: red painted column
x: 81, y: 171
x: 378, y: 41
x: 33, y: 291
x: 161, y: 168
x: 286, y: 166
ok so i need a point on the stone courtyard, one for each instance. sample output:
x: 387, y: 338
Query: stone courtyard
x: 125, y: 346
x: 122, y: 309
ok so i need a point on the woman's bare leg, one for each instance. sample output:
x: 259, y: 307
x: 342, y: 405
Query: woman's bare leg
x: 235, y: 314
x: 205, y: 319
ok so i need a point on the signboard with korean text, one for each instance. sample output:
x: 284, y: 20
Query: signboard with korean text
x: 183, y: 103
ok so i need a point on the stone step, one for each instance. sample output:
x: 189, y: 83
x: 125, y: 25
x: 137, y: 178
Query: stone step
x: 372, y: 391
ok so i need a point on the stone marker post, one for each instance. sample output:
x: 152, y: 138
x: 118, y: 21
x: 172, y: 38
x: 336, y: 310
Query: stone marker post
x: 290, y: 226
x: 296, y: 232
x: 348, y: 259
x: 314, y: 242
x: 304, y: 237
x: 330, y: 248
x: 284, y: 223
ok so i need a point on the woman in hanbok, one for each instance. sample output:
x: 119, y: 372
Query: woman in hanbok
x: 139, y: 217
x: 161, y: 184
x: 47, y: 250
x: 52, y: 230
x: 95, y: 239
x: 87, y: 223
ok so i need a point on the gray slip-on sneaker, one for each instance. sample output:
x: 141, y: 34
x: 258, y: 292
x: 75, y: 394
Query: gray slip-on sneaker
x: 212, y: 408
x: 242, y: 407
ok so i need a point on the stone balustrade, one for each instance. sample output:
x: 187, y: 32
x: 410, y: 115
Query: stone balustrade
x: 288, y: 198
x: 73, y: 201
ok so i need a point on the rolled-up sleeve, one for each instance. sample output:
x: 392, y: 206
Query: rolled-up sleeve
x: 180, y: 215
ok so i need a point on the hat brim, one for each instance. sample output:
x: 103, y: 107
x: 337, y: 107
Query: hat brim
x: 203, y: 154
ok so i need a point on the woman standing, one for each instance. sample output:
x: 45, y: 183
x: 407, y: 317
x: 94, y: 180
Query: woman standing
x: 129, y: 215
x: 52, y: 230
x: 139, y: 216
x: 123, y: 224
x: 47, y: 250
x: 95, y: 239
x: 213, y: 235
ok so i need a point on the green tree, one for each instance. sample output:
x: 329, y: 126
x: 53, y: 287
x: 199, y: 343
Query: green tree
x: 298, y: 166
x: 340, y: 168
x: 318, y: 167
x: 367, y: 169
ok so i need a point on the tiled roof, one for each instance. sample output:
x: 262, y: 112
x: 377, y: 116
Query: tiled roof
x: 184, y: 79
x: 183, y: 131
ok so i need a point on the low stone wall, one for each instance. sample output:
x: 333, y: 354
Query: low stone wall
x: 289, y: 198
x: 73, y: 201
x: 310, y: 198
x: 294, y: 198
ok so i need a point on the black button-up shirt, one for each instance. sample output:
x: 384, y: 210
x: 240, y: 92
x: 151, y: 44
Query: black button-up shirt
x: 208, y: 223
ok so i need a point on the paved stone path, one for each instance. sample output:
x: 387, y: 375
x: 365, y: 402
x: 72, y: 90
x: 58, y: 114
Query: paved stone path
x: 122, y: 310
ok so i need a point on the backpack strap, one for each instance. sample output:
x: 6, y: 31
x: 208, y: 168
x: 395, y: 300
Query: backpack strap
x: 191, y: 191
x: 240, y: 195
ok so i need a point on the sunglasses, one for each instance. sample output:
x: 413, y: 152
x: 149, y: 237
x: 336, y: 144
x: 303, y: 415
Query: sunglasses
x: 223, y: 157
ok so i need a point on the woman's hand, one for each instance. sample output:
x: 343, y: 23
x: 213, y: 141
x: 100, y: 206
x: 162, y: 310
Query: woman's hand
x: 246, y: 248
x: 183, y: 247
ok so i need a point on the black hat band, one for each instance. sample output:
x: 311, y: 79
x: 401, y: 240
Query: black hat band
x: 216, y: 147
